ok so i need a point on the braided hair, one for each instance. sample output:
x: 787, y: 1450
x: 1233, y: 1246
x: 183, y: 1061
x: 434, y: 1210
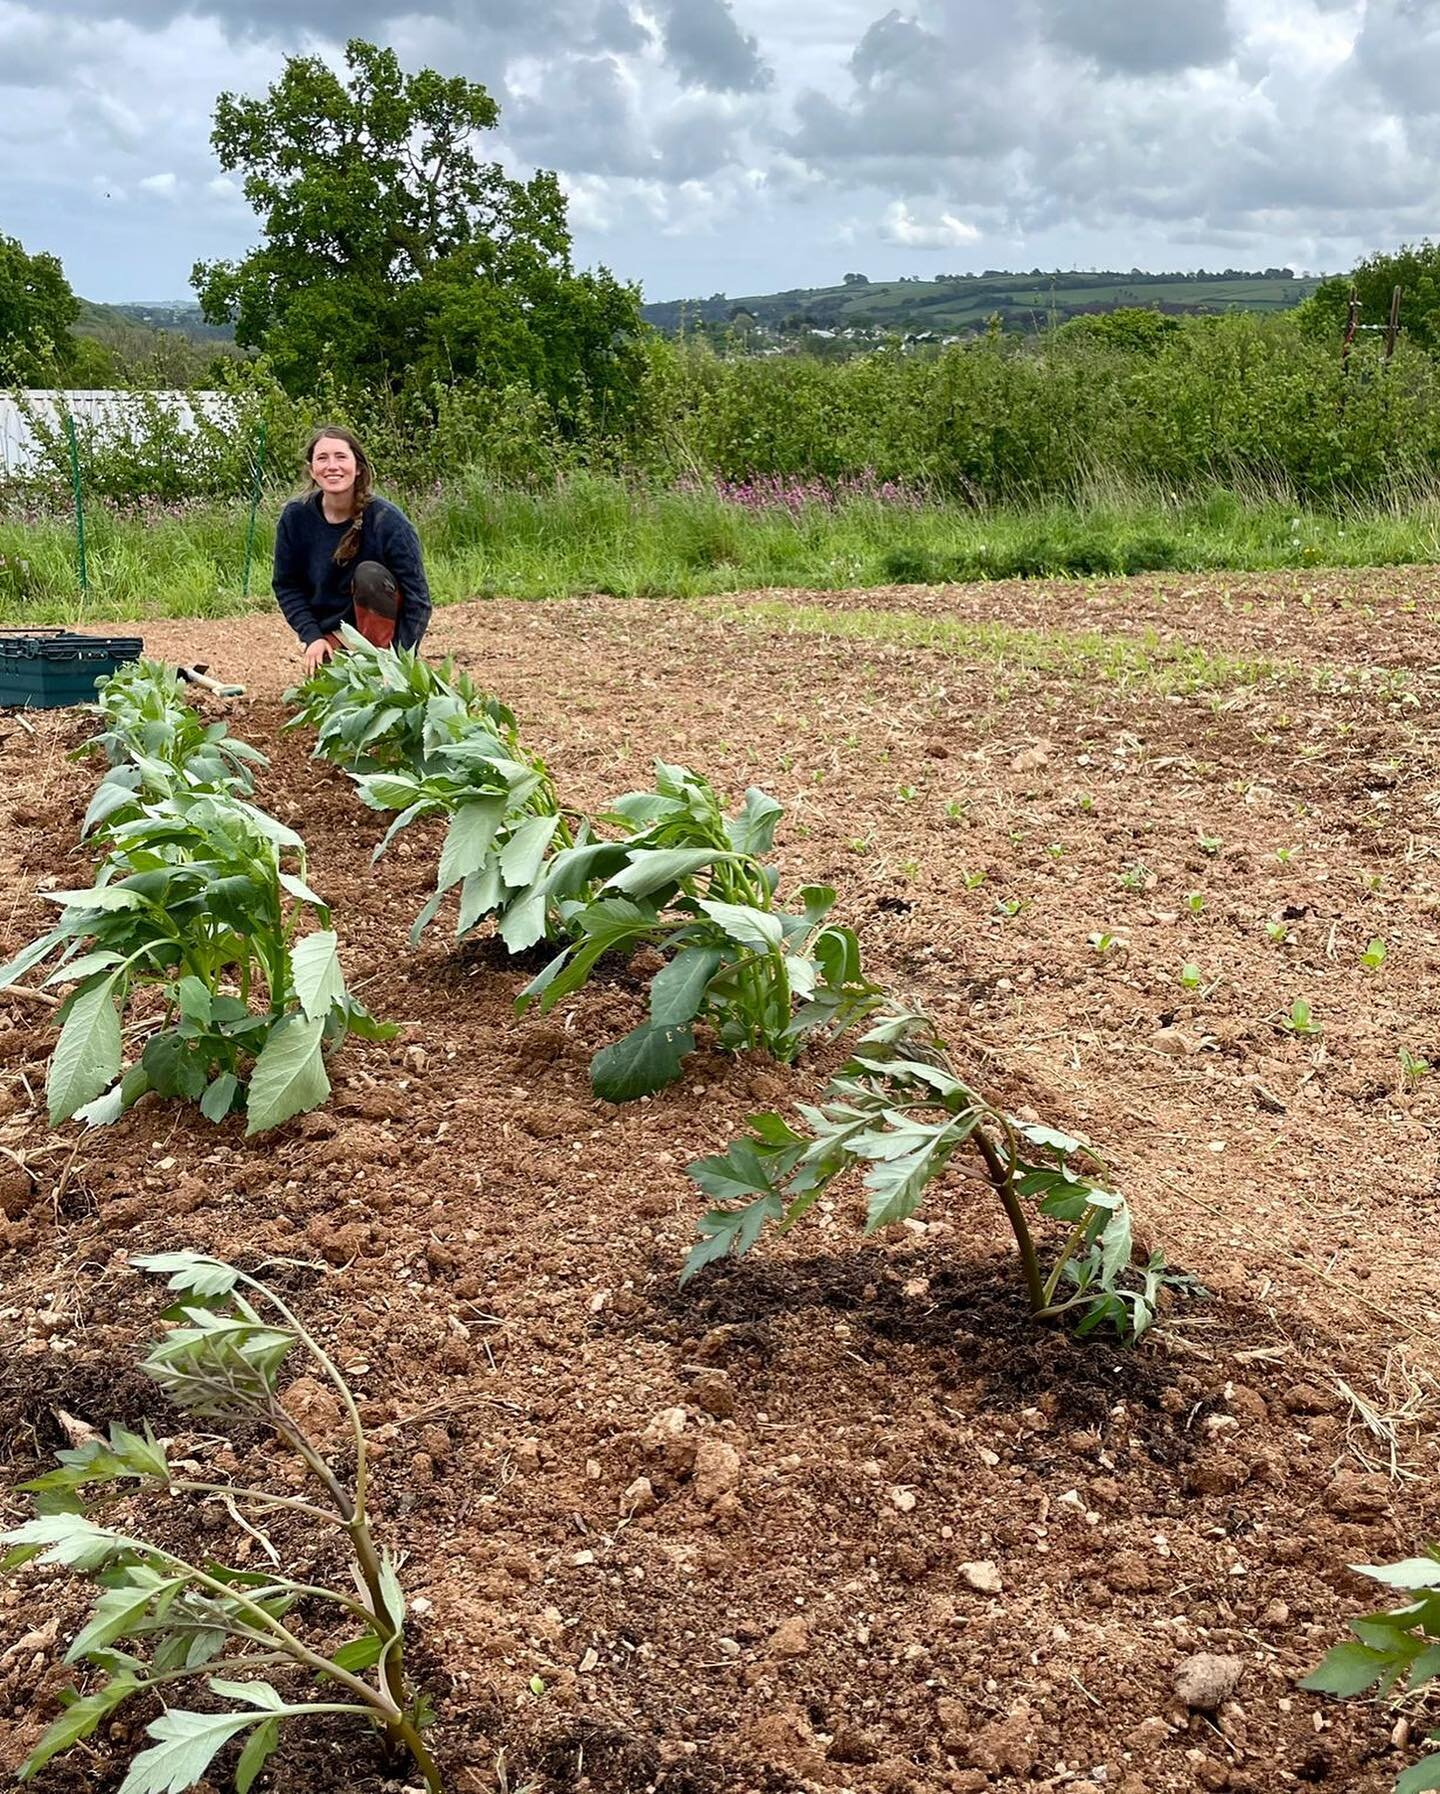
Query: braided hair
x: 349, y: 544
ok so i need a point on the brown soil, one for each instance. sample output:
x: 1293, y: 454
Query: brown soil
x: 494, y: 1253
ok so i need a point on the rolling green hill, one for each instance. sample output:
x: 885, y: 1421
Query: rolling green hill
x: 955, y: 305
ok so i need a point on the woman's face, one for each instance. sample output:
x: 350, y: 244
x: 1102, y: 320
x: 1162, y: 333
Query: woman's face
x: 332, y: 465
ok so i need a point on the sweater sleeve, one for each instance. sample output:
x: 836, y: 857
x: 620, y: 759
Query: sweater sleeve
x: 402, y: 556
x: 291, y: 581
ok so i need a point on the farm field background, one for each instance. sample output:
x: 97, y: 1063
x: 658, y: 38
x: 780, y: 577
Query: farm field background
x: 1019, y: 790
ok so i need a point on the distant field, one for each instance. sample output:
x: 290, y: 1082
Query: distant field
x: 961, y: 303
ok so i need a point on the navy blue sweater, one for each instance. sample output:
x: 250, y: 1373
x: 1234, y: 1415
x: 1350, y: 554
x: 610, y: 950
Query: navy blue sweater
x: 313, y: 588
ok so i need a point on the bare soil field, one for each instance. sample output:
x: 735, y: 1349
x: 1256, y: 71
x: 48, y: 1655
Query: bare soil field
x: 897, y: 1538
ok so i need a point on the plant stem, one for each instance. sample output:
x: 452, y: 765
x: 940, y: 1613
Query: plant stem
x: 1002, y: 1178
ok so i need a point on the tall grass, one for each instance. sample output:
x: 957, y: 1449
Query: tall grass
x: 593, y: 533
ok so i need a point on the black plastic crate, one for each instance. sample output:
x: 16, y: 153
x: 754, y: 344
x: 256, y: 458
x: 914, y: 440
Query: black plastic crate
x: 47, y: 669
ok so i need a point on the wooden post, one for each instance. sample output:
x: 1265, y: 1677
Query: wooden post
x: 1392, y: 329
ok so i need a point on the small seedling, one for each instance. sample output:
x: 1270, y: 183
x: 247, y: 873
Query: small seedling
x: 1010, y: 906
x: 973, y: 880
x: 1209, y: 845
x: 906, y: 793
x: 1195, y: 902
x: 1085, y: 802
x: 1412, y: 1068
x: 1280, y: 933
x: 956, y: 810
x: 901, y: 1111
x: 202, y: 1621
x: 1135, y: 877
x: 1374, y: 955
x: 1191, y: 977
x: 1284, y: 855
x: 1298, y: 1019
x: 1104, y: 943
x: 1056, y: 850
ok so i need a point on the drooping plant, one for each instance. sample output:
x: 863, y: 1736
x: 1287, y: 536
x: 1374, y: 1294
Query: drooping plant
x: 899, y: 1111
x: 167, y: 1618
x: 195, y: 901
x: 387, y: 709
x: 691, y: 883
x: 505, y: 822
x: 156, y: 743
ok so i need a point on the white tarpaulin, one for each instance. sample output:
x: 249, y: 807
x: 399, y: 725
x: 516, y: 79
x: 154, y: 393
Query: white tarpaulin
x: 107, y: 411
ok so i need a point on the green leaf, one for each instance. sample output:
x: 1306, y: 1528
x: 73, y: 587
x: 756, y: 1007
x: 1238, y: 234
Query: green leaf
x: 194, y: 996
x: 316, y: 974
x: 289, y: 1076
x: 730, y: 1231
x: 753, y: 830
x: 1420, y: 1778
x: 1412, y: 1572
x: 97, y: 897
x: 479, y: 894
x: 1348, y: 1669
x: 651, y: 868
x: 191, y: 1271
x: 258, y: 1747
x: 525, y: 850
x: 185, y: 1745
x: 69, y: 1539
x: 87, y: 1055
x: 678, y: 989
x: 114, y: 1616
x: 750, y: 927
x: 29, y: 957
x: 302, y: 892
x: 523, y: 923
x: 249, y: 1694
x: 468, y: 840
x: 359, y: 1654
x: 642, y: 1062
x: 76, y: 971
x: 219, y: 1099
x: 79, y: 1720
x: 391, y: 1592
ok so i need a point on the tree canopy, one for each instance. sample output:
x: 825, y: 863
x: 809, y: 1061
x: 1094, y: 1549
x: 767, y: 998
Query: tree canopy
x: 394, y: 254
x: 1415, y: 267
x: 37, y: 309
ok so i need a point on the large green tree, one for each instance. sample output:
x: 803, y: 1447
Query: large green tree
x: 37, y: 309
x: 1414, y: 267
x: 393, y: 253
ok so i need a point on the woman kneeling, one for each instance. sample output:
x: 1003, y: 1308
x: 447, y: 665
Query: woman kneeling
x: 345, y: 555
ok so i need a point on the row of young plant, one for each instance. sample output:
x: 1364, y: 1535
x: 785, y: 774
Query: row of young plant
x: 668, y: 870
x: 188, y: 944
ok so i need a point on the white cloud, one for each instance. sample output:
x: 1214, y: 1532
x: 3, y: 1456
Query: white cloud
x: 906, y: 231
x: 738, y: 144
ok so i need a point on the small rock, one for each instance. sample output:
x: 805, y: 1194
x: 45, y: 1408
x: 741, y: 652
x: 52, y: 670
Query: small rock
x: 715, y: 1394
x: 1172, y: 1041
x: 717, y: 1469
x: 313, y: 1406
x: 791, y: 1638
x: 1031, y: 759
x: 1148, y: 1737
x: 665, y: 1437
x: 904, y: 1499
x: 1308, y: 1398
x: 1205, y: 1682
x: 851, y: 1745
x: 982, y: 1576
x: 639, y: 1498
x: 1353, y: 1496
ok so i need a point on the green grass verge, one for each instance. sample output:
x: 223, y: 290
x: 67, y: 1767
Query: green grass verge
x: 593, y: 534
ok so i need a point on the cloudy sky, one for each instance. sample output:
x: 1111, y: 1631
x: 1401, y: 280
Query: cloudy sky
x: 750, y: 145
